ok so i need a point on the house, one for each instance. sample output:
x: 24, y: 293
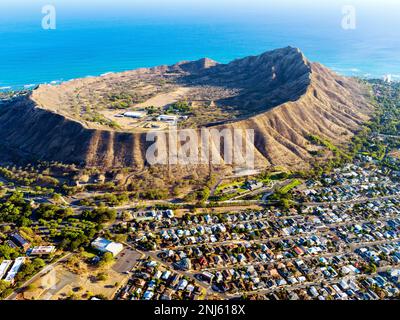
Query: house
x: 254, y: 185
x: 166, y: 274
x: 203, y: 262
x: 184, y: 264
x: 167, y: 295
x: 20, y: 241
x: 148, y: 295
x: 169, y: 213
x: 140, y: 283
x: 207, y: 276
x: 104, y: 245
x: 298, y: 251
x: 182, y: 284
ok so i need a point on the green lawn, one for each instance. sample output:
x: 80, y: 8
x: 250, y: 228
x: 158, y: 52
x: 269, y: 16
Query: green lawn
x: 293, y: 184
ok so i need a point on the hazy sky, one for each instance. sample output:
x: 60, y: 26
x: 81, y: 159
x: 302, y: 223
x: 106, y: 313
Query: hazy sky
x: 231, y: 5
x: 379, y: 12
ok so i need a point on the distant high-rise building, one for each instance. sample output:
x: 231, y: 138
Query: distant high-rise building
x: 387, y: 78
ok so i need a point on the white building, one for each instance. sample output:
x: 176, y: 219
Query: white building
x: 42, y: 250
x: 14, y: 269
x: 387, y: 78
x: 4, y: 267
x: 104, y: 245
x: 171, y: 119
x: 134, y: 114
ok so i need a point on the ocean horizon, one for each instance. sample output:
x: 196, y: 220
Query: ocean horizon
x: 91, y: 43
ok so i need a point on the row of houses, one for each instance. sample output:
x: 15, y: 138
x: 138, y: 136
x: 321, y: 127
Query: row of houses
x: 152, y: 281
x: 351, y: 182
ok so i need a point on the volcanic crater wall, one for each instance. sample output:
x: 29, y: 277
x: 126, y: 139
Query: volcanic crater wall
x: 322, y: 103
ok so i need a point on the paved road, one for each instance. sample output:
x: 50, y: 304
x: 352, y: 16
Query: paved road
x: 360, y: 200
x: 388, y: 136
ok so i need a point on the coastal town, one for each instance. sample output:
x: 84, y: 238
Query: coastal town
x: 333, y: 234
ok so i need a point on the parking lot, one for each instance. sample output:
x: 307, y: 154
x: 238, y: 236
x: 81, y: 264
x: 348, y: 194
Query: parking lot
x: 126, y: 260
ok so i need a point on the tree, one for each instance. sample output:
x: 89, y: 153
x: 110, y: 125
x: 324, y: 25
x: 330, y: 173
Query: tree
x: 107, y: 257
x: 100, y: 215
x: 38, y: 263
x: 8, y: 253
x: 102, y: 276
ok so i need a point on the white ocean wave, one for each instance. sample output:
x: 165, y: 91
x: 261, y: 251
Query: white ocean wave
x: 354, y: 70
x: 105, y: 74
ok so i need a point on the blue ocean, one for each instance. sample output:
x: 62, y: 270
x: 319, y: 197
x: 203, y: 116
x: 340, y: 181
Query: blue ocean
x: 110, y: 36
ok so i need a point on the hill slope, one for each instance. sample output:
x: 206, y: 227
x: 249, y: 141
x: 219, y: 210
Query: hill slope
x: 279, y: 94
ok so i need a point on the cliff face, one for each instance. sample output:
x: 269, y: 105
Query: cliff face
x: 37, y: 134
x: 285, y: 97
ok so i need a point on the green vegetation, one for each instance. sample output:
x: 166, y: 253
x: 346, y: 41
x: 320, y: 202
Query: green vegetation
x: 51, y: 212
x: 14, y: 209
x: 151, y: 110
x: 109, y: 199
x: 77, y: 234
x: 8, y: 253
x: 387, y: 96
x: 200, y: 196
x: 100, y: 119
x: 28, y: 178
x: 289, y: 187
x: 107, y: 258
x: 102, y: 276
x: 99, y: 215
x: 5, y: 289
x: 322, y: 142
x: 181, y: 107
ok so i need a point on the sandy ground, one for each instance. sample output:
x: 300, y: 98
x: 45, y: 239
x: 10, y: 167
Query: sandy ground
x: 165, y: 99
x: 395, y: 154
x: 159, y: 101
x: 61, y: 282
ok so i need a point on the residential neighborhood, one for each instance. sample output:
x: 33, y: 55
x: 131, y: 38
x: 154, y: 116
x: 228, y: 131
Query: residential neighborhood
x: 330, y: 233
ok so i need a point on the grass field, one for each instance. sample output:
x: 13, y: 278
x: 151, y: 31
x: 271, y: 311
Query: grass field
x: 289, y: 187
